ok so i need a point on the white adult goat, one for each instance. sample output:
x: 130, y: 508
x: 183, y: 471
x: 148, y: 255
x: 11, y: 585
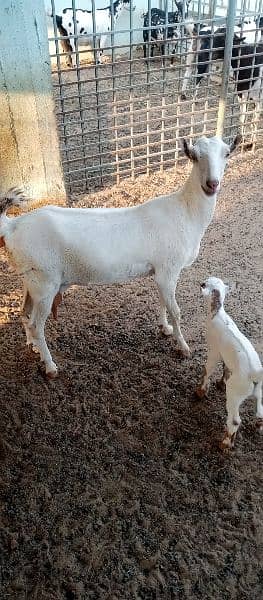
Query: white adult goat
x: 54, y: 247
x: 243, y: 372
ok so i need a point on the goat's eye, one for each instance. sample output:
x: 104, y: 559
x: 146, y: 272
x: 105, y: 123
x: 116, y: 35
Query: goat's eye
x: 227, y: 154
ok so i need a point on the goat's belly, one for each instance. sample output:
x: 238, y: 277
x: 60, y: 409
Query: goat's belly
x: 87, y: 274
x: 192, y: 256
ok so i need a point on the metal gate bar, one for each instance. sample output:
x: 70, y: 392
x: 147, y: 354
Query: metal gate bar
x: 126, y: 116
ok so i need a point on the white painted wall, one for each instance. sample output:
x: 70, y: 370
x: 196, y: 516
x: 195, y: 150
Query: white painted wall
x: 29, y: 150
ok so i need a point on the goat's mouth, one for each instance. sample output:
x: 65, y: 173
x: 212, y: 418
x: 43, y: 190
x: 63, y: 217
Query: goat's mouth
x: 208, y: 191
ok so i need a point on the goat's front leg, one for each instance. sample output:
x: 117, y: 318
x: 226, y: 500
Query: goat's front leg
x: 243, y: 109
x: 173, y: 54
x: 190, y: 60
x: 256, y: 118
x: 165, y: 328
x: 166, y: 286
x: 102, y: 41
x: 74, y: 53
x: 221, y: 383
x: 212, y: 361
x: 67, y: 48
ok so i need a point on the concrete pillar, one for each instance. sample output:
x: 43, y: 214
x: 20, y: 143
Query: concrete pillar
x: 29, y: 149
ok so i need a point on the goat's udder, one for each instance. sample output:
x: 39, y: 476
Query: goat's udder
x: 56, y: 302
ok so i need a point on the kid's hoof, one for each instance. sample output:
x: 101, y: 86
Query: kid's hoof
x: 200, y: 392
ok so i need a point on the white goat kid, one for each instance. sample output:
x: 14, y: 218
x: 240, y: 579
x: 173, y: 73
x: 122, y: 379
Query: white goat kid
x: 54, y: 247
x: 243, y: 372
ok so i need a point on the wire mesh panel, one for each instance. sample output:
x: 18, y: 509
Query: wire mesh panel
x: 132, y: 77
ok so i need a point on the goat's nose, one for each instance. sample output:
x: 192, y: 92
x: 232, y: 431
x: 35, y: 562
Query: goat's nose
x: 202, y: 285
x: 212, y: 184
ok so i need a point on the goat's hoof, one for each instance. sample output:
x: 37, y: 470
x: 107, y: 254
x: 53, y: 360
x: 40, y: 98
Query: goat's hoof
x: 200, y: 392
x: 259, y: 425
x: 166, y: 329
x: 185, y: 350
x: 228, y: 442
x: 52, y: 373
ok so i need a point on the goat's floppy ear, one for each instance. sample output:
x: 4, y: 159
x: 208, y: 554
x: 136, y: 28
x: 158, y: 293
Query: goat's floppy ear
x: 236, y: 142
x: 215, y: 301
x: 189, y: 151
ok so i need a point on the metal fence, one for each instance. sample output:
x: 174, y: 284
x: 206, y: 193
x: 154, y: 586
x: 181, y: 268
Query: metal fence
x: 120, y: 113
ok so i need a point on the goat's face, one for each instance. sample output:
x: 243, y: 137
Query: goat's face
x: 118, y: 6
x: 159, y: 32
x: 210, y: 157
x: 245, y: 31
x: 212, y: 288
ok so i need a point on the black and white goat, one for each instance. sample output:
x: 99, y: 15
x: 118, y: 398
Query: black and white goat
x: 203, y: 49
x: 246, y: 61
x: 84, y: 30
x: 159, y: 30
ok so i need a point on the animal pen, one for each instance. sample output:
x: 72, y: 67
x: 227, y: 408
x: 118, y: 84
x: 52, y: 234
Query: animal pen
x: 112, y: 482
x: 125, y: 115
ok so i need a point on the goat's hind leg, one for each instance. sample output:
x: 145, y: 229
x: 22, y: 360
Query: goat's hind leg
x: 40, y: 313
x: 235, y: 395
x: 259, y: 414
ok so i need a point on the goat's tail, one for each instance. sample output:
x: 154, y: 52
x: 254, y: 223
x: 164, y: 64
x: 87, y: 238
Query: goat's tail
x: 257, y: 375
x: 14, y: 197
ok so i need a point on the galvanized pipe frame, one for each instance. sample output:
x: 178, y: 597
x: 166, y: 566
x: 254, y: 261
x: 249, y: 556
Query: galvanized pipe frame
x: 99, y: 149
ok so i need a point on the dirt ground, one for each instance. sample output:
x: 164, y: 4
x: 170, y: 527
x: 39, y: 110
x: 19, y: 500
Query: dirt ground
x: 112, y: 482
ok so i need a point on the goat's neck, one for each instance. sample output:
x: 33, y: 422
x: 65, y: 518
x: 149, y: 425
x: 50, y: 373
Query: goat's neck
x: 201, y: 205
x: 214, y: 311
